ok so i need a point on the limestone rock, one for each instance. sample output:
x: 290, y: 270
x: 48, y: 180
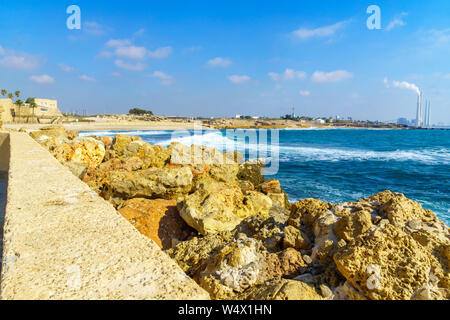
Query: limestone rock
x: 295, y: 238
x: 349, y: 227
x: 217, y: 206
x: 152, y: 183
x: 234, y: 268
x: 386, y: 263
x: 157, y: 219
x: 192, y: 255
x: 87, y: 151
x: 50, y: 138
x: 282, y: 289
x: 78, y: 169
x: 253, y: 171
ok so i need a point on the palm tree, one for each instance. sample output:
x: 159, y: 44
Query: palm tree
x: 17, y: 93
x: 19, y: 104
x: 33, y: 106
x: 10, y: 95
x: 4, y: 92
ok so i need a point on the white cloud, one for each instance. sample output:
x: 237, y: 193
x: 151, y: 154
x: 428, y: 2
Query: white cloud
x: 322, y: 32
x: 219, y: 62
x: 304, y: 93
x: 166, y: 79
x: 43, y: 79
x: 17, y: 60
x: 131, y: 52
x: 118, y: 42
x: 160, y: 53
x: 398, y: 21
x: 86, y: 78
x: 105, y: 54
x: 128, y: 66
x: 334, y: 76
x: 65, y: 67
x: 115, y: 74
x: 447, y: 76
x: 288, y: 74
x: 236, y: 79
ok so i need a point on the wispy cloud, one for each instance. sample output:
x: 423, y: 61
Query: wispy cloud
x: 12, y: 59
x: 304, y: 93
x: 238, y: 79
x: 288, y: 74
x: 321, y: 32
x: 219, y: 62
x: 118, y: 42
x: 42, y: 79
x: 166, y: 80
x: 129, y: 66
x: 131, y: 52
x: 397, y: 21
x: 115, y: 74
x: 65, y: 67
x: 86, y: 78
x: 94, y: 28
x: 160, y: 53
x: 334, y: 76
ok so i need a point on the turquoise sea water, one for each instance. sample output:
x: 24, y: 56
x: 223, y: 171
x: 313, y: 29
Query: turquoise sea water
x: 338, y: 165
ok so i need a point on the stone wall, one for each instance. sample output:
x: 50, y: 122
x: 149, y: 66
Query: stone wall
x: 62, y: 241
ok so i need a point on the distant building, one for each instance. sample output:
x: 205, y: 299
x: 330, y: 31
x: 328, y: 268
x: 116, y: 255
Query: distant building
x: 403, y: 121
x: 45, y: 109
x: 320, y: 121
x: 238, y: 116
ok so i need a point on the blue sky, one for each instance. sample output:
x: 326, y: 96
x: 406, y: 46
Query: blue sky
x: 221, y: 58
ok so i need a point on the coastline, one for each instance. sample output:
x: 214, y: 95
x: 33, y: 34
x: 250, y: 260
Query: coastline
x: 172, y: 125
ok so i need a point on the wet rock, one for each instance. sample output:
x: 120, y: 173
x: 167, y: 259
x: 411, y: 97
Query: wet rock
x: 157, y: 219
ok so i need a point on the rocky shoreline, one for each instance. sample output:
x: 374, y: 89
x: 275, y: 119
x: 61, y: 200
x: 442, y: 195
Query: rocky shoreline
x: 237, y: 235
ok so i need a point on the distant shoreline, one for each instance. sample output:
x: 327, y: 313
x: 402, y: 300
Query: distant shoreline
x: 172, y: 125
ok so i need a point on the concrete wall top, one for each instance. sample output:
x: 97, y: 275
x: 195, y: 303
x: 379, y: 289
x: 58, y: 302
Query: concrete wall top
x: 62, y: 241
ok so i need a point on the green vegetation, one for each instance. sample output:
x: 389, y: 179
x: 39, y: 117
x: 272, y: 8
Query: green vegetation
x: 140, y: 112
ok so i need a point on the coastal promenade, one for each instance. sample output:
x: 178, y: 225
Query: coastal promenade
x: 62, y: 241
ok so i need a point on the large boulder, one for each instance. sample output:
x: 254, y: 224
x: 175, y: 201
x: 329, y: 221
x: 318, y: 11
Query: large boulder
x: 88, y: 151
x: 52, y: 137
x: 152, y: 183
x: 96, y: 176
x: 386, y: 264
x: 217, y: 206
x: 272, y: 189
x: 253, y: 171
x: 234, y: 268
x: 131, y: 146
x: 157, y: 219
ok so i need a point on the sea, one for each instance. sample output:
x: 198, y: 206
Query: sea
x: 337, y: 165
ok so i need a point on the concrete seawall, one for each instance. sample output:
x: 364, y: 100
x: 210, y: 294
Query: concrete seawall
x: 62, y: 241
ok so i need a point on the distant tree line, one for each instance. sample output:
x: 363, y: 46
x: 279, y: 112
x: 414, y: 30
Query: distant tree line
x: 140, y: 112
